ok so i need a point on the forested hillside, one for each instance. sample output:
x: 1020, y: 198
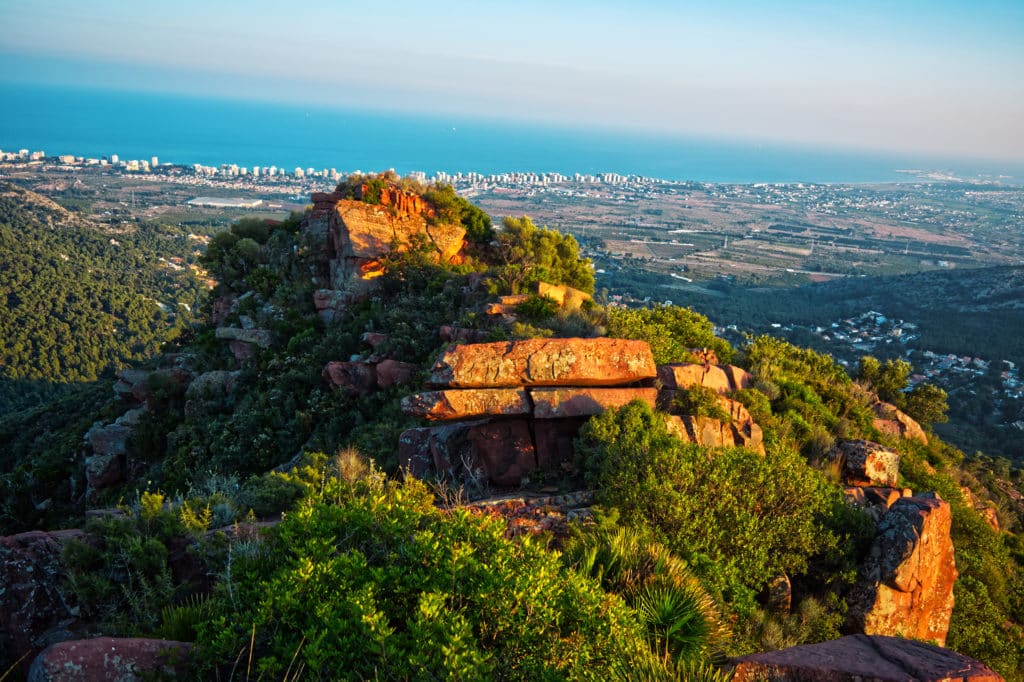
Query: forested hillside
x: 78, y: 300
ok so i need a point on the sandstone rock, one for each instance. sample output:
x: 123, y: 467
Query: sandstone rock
x: 720, y: 378
x: 374, y: 339
x: 504, y: 450
x: 553, y: 440
x: 395, y: 373
x: 330, y: 304
x: 109, y: 439
x: 906, y: 586
x: 35, y: 606
x: 360, y: 234
x: 359, y: 378
x: 499, y: 452
x: 866, y: 463
x: 985, y: 509
x: 513, y: 300
x: 556, y: 403
x: 894, y: 422
x: 242, y: 350
x: 130, y: 384
x: 215, y: 384
x: 109, y: 658
x: 468, y: 403
x: 713, y: 433
x: 875, y: 500
x: 503, y: 309
x: 544, y: 362
x: 258, y: 337
x: 454, y: 334
x: 223, y: 306
x: 860, y: 658
x: 566, y: 297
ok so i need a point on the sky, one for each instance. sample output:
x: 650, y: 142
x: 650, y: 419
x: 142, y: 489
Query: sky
x: 927, y: 76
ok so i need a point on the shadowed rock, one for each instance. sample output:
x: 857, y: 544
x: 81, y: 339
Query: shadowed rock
x: 109, y: 658
x: 861, y: 658
x: 555, y: 403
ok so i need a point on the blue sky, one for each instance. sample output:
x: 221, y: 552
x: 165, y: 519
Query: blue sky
x: 939, y: 77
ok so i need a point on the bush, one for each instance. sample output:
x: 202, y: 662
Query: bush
x: 372, y: 581
x: 738, y: 518
x: 672, y: 331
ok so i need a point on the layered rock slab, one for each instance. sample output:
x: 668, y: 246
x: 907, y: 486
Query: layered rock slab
x: 906, y: 586
x: 467, y: 403
x: 862, y: 658
x: 558, y: 403
x: 544, y: 362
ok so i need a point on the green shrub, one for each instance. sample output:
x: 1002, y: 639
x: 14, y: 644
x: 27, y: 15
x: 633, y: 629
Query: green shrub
x: 672, y: 331
x: 738, y: 518
x: 373, y: 581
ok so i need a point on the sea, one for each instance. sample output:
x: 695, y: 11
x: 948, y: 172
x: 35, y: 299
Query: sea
x: 187, y: 130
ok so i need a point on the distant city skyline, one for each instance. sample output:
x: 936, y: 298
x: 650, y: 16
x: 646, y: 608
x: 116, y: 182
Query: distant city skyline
x: 938, y: 77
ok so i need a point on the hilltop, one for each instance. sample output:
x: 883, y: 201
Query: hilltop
x: 706, y: 500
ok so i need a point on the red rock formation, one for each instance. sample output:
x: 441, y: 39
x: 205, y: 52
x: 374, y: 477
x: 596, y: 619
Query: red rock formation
x: 720, y: 378
x: 35, y: 606
x: 358, y: 378
x: 499, y: 452
x: 566, y: 297
x: 449, y: 405
x: 453, y: 334
x: 866, y: 463
x: 713, y: 433
x: 876, y: 501
x: 860, y: 658
x: 395, y: 373
x: 109, y: 658
x: 544, y: 362
x: 894, y: 422
x: 553, y: 440
x: 557, y: 403
x: 907, y: 579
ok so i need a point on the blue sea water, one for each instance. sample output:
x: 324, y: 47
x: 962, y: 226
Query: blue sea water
x: 186, y: 130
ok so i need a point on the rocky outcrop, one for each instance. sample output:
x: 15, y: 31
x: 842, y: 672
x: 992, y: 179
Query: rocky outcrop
x: 395, y: 373
x: 875, y: 501
x: 713, y: 433
x: 361, y: 377
x: 262, y: 338
x: 864, y: 463
x: 330, y: 304
x: 356, y: 235
x: 109, y: 658
x: 532, y: 515
x: 720, y: 378
x: 453, y: 334
x: 36, y: 607
x: 906, y: 586
x: 892, y: 421
x: 567, y: 298
x: 558, y: 403
x: 861, y: 658
x: 467, y: 404
x: 480, y: 452
x: 544, y: 362
x: 106, y: 463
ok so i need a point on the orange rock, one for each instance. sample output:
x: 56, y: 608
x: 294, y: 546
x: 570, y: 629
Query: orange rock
x: 544, y: 362
x: 720, y: 378
x: 713, y: 433
x: 469, y: 403
x: 866, y: 463
x: 565, y: 296
x: 894, y: 422
x: 906, y: 587
x: 554, y: 403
